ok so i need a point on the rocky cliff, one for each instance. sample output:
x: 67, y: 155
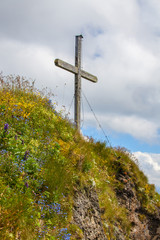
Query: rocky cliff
x: 88, y: 215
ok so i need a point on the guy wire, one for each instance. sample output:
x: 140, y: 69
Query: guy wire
x: 70, y: 105
x: 82, y: 121
x: 100, y: 126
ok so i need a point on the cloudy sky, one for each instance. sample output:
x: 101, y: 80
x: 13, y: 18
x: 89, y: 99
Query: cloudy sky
x: 121, y: 46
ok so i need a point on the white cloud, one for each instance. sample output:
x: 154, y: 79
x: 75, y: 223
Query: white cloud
x: 139, y: 128
x: 150, y: 164
x: 29, y: 60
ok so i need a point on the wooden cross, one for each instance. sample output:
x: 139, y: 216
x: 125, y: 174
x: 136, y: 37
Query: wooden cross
x: 78, y: 74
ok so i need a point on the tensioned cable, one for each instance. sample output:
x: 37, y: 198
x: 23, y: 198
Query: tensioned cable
x: 64, y: 88
x: 100, y: 126
x: 70, y: 105
x: 82, y: 121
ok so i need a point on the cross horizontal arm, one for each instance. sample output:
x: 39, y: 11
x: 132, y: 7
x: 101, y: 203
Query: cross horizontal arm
x: 66, y: 66
x: 88, y: 76
x: 73, y: 69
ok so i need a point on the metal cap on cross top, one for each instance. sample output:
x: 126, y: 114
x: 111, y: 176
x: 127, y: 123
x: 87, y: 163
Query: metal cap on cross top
x: 78, y: 74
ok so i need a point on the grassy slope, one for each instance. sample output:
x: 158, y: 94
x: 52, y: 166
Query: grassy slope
x: 43, y: 159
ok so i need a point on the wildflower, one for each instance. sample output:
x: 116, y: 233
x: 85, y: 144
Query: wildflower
x: 26, y: 184
x: 26, y: 155
x: 49, y: 101
x: 6, y: 126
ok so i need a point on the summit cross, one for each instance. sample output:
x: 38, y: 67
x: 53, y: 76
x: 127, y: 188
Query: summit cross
x: 78, y: 74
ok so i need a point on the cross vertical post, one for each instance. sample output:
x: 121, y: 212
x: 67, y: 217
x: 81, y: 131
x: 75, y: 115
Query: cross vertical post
x: 78, y: 74
x: 77, y: 106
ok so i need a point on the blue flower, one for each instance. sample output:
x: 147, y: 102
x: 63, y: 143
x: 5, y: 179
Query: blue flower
x: 26, y: 155
x: 6, y: 126
x: 26, y: 184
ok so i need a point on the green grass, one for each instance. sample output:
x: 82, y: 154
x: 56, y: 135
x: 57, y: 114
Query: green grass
x: 43, y: 159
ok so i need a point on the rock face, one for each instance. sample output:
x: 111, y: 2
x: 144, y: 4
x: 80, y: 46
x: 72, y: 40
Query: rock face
x: 87, y: 215
x: 145, y: 226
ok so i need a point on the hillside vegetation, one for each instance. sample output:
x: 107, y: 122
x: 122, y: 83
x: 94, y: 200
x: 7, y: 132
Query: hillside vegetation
x: 44, y: 160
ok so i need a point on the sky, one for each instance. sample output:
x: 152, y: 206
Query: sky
x: 121, y: 46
